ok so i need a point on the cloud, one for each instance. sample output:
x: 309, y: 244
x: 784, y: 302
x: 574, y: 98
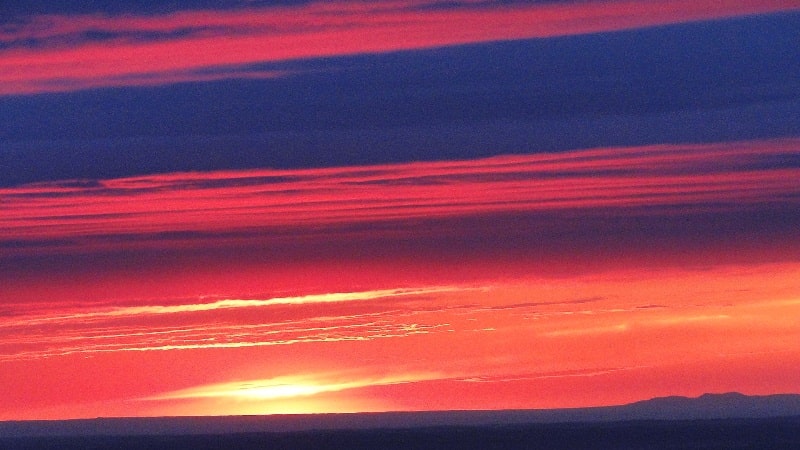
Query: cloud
x: 409, y: 351
x: 148, y: 338
x: 658, y: 179
x: 689, y: 319
x: 583, y: 331
x: 58, y: 53
x: 131, y: 311
x: 581, y: 373
x: 64, y: 329
x: 530, y: 305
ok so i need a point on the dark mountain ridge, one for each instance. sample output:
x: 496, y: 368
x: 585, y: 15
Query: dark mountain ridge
x: 706, y: 407
x: 714, y: 406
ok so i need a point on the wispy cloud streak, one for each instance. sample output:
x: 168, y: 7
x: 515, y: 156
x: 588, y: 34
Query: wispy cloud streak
x: 61, y: 330
x: 64, y: 53
x: 540, y: 309
x: 132, y: 311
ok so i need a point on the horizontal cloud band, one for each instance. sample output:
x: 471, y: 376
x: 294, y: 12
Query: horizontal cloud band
x: 67, y: 53
x: 698, y: 177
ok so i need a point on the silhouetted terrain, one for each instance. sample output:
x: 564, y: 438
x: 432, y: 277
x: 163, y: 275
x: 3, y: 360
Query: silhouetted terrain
x: 692, y: 434
x: 718, y: 421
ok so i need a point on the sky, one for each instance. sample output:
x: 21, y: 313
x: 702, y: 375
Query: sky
x: 263, y: 207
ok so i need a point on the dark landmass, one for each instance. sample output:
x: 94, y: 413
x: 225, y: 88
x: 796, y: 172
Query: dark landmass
x: 710, y: 421
x: 708, y: 406
x: 712, y: 406
x: 773, y: 433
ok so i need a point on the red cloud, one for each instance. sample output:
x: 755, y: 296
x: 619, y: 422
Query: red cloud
x: 188, y: 46
x: 693, y: 177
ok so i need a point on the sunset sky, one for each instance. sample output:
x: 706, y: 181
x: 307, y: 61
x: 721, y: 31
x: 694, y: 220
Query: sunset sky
x: 261, y: 207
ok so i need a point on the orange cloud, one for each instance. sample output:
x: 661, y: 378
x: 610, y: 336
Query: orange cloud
x: 207, y: 45
x: 62, y: 329
x: 131, y: 311
x: 531, y: 342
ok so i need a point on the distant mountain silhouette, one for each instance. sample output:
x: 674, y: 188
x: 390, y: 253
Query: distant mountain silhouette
x: 714, y: 406
x: 730, y: 405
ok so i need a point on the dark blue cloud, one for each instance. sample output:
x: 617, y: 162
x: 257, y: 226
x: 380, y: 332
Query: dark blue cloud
x: 99, y: 36
x: 707, y: 81
x: 12, y: 10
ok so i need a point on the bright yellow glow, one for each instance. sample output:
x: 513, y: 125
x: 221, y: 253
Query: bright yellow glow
x: 273, y: 391
x: 284, y: 387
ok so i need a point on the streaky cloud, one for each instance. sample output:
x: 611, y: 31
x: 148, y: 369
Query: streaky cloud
x: 132, y: 311
x: 101, y: 329
x: 592, y: 372
x: 60, y: 53
x: 660, y: 179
